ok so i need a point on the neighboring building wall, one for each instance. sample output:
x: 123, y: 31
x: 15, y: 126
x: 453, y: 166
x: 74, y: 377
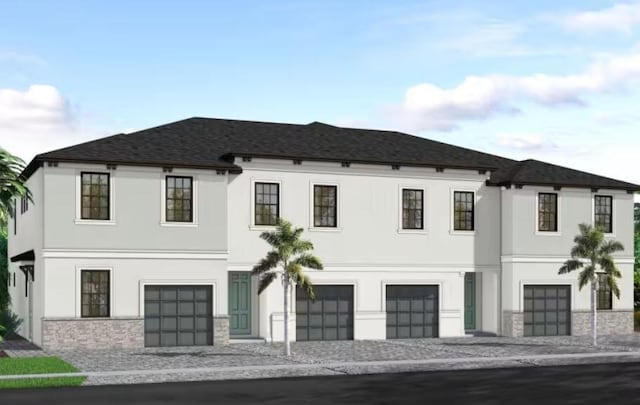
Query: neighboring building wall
x: 28, y: 236
x: 368, y: 248
x: 532, y: 257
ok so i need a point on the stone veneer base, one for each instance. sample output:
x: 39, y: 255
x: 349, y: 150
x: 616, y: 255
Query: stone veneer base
x: 92, y: 333
x: 612, y: 322
x: 109, y: 333
x: 220, y: 330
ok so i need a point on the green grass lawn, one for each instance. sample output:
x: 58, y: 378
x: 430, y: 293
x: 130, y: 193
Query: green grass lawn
x: 42, y: 382
x: 37, y: 365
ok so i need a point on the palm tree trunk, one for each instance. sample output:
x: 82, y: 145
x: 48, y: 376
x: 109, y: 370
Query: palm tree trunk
x: 594, y: 322
x: 287, y: 344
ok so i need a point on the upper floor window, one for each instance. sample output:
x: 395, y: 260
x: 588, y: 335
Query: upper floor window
x: 95, y: 196
x: 605, y: 298
x: 412, y: 209
x: 95, y: 293
x: 325, y: 206
x: 603, y: 212
x: 267, y: 203
x: 24, y: 205
x: 179, y: 195
x: 547, y: 212
x: 463, y: 210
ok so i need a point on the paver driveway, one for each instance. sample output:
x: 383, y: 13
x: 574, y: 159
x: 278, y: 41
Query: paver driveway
x: 255, y: 354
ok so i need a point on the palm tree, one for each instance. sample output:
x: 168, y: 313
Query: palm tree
x: 590, y: 252
x: 12, y: 185
x: 288, y: 257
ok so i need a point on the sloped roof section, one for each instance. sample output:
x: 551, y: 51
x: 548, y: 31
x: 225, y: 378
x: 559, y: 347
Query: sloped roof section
x: 535, y: 172
x: 208, y: 143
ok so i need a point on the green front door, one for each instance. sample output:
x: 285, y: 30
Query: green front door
x: 239, y: 303
x: 470, y: 301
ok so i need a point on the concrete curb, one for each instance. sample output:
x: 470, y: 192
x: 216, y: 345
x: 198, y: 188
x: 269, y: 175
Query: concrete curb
x: 334, y: 365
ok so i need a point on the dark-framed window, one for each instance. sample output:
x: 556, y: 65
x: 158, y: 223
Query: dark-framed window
x: 412, y: 209
x: 179, y: 199
x: 325, y: 206
x: 95, y: 199
x: 547, y: 212
x: 603, y: 213
x: 24, y: 205
x: 605, y: 298
x: 95, y: 293
x: 267, y: 203
x: 463, y: 210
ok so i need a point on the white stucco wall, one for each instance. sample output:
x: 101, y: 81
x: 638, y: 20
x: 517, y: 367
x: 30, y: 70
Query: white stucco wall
x: 129, y: 273
x: 533, y: 257
x: 368, y: 249
x: 137, y: 211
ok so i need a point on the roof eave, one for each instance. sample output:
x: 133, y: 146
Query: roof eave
x: 630, y: 187
x: 362, y: 161
x: 39, y: 160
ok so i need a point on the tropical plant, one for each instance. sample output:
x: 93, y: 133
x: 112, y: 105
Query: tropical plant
x: 4, y: 274
x: 10, y: 322
x: 288, y: 257
x: 12, y: 185
x: 590, y: 253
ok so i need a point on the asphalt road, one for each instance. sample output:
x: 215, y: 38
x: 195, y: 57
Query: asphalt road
x: 586, y: 384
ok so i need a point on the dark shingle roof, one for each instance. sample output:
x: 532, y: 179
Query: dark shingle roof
x: 208, y: 143
x: 535, y: 172
x: 212, y: 143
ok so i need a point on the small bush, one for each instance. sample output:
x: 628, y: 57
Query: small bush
x: 636, y: 319
x: 9, y: 322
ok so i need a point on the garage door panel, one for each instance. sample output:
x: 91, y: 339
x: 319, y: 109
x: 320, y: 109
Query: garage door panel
x: 168, y: 294
x: 152, y: 339
x: 330, y: 317
x: 178, y: 315
x: 412, y: 311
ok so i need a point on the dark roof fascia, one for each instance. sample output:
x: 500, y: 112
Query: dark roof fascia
x: 360, y: 161
x: 28, y: 256
x: 39, y: 160
x: 635, y: 188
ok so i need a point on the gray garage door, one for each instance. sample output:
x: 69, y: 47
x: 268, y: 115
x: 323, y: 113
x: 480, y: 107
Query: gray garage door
x: 412, y: 311
x: 178, y: 315
x: 547, y: 310
x: 330, y: 317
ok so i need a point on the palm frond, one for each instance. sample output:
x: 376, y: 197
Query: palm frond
x: 570, y: 265
x: 265, y: 280
x: 303, y: 281
x: 611, y: 246
x: 587, y: 275
x: 273, y: 238
x: 266, y: 263
x: 308, y: 260
x: 300, y: 246
x: 613, y: 285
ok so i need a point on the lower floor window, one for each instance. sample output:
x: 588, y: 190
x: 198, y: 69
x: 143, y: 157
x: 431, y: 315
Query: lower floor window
x: 604, y: 292
x: 95, y: 293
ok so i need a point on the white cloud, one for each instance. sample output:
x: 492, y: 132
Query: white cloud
x: 621, y: 17
x: 429, y: 107
x: 38, y: 120
x: 523, y: 142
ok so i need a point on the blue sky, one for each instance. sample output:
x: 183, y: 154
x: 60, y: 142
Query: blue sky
x: 538, y: 80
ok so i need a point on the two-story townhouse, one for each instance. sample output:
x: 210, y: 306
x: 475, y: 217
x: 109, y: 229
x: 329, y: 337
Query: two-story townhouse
x: 148, y: 238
